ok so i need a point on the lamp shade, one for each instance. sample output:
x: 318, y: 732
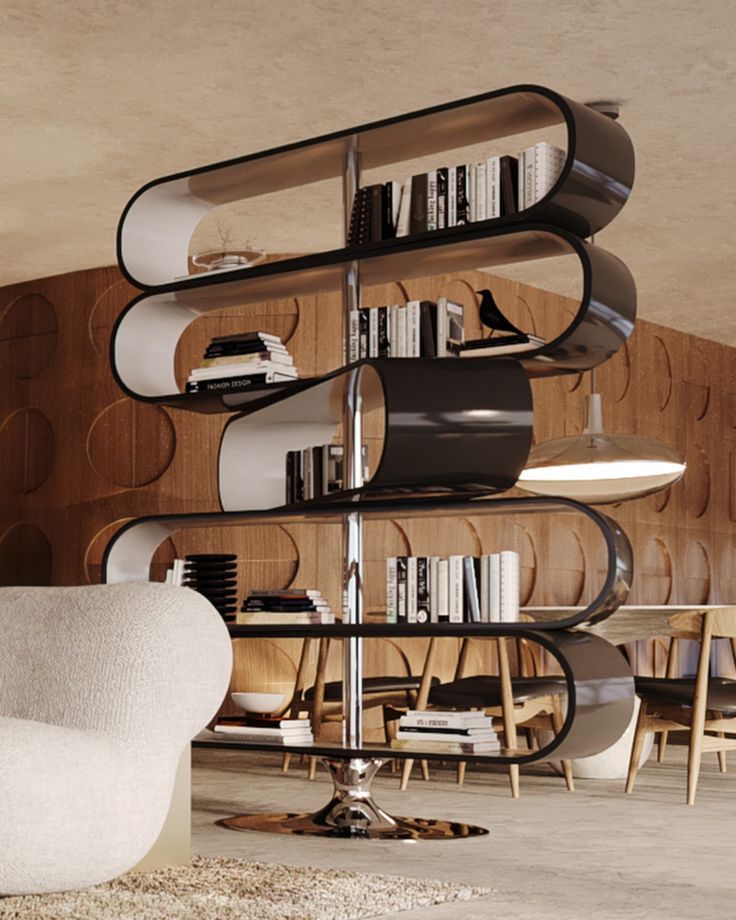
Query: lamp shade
x: 598, y: 468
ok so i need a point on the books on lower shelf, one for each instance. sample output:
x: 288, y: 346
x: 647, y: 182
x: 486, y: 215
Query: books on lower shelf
x: 297, y: 732
x: 416, y: 329
x: 288, y: 607
x: 453, y: 589
x: 453, y: 732
x: 241, y: 360
x: 316, y: 471
x: 451, y: 196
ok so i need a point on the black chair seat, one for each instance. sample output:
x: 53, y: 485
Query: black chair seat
x: 485, y: 690
x: 333, y: 688
x: 681, y: 690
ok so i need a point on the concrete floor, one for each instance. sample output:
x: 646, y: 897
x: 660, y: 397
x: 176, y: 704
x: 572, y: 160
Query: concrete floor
x: 594, y: 853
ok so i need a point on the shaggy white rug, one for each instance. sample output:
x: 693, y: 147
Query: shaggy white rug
x: 233, y: 889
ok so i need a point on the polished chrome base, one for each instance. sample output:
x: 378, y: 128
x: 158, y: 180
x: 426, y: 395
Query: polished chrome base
x: 351, y: 812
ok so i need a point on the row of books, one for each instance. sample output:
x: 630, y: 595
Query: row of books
x: 417, y: 329
x: 316, y: 471
x: 288, y: 607
x: 455, y: 589
x: 279, y: 732
x: 455, y: 195
x: 450, y: 732
x: 233, y: 362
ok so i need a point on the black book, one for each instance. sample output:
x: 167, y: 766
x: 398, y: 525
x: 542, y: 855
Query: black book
x: 244, y: 337
x: 442, y: 202
x: 401, y: 589
x: 289, y: 477
x: 317, y: 489
x: 384, y: 345
x: 226, y: 351
x: 461, y: 194
x: 363, y: 321
x: 509, y: 185
x: 218, y: 385
x: 359, y: 231
x: 428, y: 328
x: 376, y: 210
x: 422, y: 589
x: 388, y: 209
x: 418, y: 213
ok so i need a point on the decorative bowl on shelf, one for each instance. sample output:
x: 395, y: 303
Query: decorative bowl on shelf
x: 259, y: 703
x: 217, y: 260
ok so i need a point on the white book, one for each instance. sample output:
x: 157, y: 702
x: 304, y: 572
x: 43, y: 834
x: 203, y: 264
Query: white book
x: 548, y: 163
x: 485, y: 593
x: 402, y: 221
x: 481, y: 198
x: 308, y: 473
x: 280, y: 356
x: 453, y: 737
x: 241, y: 370
x: 441, y: 327
x: 432, y: 200
x: 442, y: 204
x: 528, y: 176
x: 434, y: 562
x: 413, y: 329
x: 401, y: 333
x: 423, y: 718
x: 452, y: 196
x: 471, y: 171
x: 391, y: 590
x: 393, y: 331
x: 354, y: 327
x: 509, y: 587
x: 494, y: 588
x: 457, y: 595
x: 493, y: 187
x: 373, y: 333
x: 283, y: 618
x: 443, y: 591
x: 411, y: 589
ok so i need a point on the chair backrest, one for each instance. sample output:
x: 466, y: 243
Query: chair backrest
x: 145, y: 662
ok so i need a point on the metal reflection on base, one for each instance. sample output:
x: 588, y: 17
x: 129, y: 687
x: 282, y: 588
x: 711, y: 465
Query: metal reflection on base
x: 352, y: 812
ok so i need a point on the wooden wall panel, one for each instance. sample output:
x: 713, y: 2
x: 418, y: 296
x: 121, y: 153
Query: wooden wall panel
x: 78, y: 458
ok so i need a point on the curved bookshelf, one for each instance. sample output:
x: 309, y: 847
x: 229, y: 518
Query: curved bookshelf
x: 145, y: 336
x: 593, y: 186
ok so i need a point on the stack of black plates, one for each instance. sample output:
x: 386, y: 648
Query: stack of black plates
x: 215, y: 576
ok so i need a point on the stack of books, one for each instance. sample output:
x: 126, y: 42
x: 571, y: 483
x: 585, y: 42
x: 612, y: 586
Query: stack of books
x: 417, y: 329
x: 451, y: 196
x: 316, y: 471
x: 284, y: 732
x: 290, y: 607
x: 451, y: 732
x: 246, y: 359
x: 455, y: 589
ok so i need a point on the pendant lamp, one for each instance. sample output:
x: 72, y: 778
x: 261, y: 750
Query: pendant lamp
x: 597, y: 468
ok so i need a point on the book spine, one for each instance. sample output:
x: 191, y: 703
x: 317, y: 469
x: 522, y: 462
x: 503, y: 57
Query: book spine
x: 218, y: 385
x: 442, y: 327
x: 461, y: 204
x: 493, y: 187
x: 428, y: 332
x: 383, y: 335
x: 391, y: 590
x: 373, y: 333
x: 481, y: 198
x: 459, y: 722
x: 442, y: 198
x: 472, y: 183
x: 529, y: 173
x: 411, y: 589
x: 317, y: 489
x: 324, y: 464
x: 289, y: 480
x: 354, y: 350
x: 401, y: 565
x: 457, y: 599
x: 434, y: 589
x: 388, y: 227
x: 363, y: 325
x: 452, y: 196
x: 485, y: 596
x: 520, y: 179
x: 413, y: 329
x: 494, y: 588
x: 418, y: 218
x: 472, y: 606
x: 509, y: 172
x: 443, y: 591
x: 308, y: 477
x: 509, y: 586
x: 393, y: 331
x: 404, y: 218
x: 422, y: 589
x: 376, y: 192
x: 432, y: 200
x: 401, y: 332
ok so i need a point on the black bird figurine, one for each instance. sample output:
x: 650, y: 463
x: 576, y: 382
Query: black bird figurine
x: 491, y: 315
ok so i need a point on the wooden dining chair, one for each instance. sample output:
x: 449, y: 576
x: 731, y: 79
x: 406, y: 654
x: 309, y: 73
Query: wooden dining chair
x: 704, y: 706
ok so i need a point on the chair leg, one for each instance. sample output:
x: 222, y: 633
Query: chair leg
x: 722, y: 755
x: 285, y: 762
x: 514, y: 780
x: 461, y: 772
x: 424, y: 765
x: 661, y: 746
x: 405, y: 774
x: 567, y: 771
x: 556, y: 719
x: 312, y: 771
x: 636, y: 747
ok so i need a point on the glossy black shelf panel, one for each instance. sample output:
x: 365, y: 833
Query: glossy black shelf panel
x: 596, y: 180
x: 146, y: 334
x: 599, y: 690
x: 129, y: 553
x: 449, y: 427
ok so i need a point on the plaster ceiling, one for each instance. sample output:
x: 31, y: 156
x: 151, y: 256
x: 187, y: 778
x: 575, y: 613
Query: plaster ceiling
x: 97, y: 98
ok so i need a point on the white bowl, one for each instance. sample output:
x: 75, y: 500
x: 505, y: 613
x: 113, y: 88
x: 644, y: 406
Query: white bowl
x: 261, y: 703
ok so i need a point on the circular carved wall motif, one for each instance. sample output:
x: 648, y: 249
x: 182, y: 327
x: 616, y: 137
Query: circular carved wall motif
x: 131, y: 443
x: 524, y: 546
x: 27, y: 450
x: 28, y: 334
x: 105, y: 312
x: 661, y: 376
x: 697, y: 382
x: 25, y: 556
x: 695, y: 582
x: 653, y: 573
x: 697, y: 481
x: 96, y: 550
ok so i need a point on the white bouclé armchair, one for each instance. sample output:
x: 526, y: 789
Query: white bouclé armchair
x: 101, y: 690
